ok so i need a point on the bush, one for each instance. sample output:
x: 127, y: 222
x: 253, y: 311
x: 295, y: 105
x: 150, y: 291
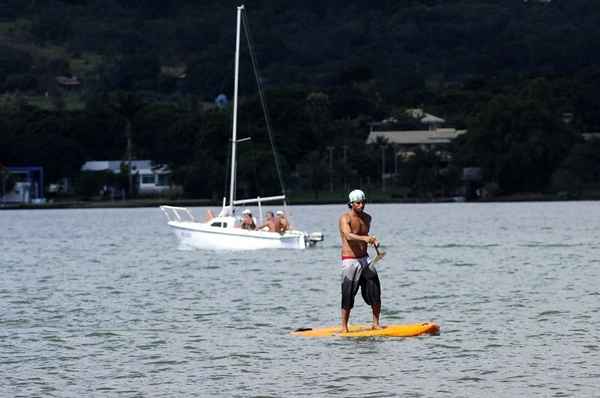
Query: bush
x: 91, y: 183
x: 565, y: 181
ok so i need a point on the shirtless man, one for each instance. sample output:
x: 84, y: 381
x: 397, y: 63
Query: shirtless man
x: 269, y: 224
x: 356, y: 269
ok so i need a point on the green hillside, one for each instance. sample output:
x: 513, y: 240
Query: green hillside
x: 330, y: 70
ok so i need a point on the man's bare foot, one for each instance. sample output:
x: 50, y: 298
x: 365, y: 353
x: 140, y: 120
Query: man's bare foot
x: 377, y: 326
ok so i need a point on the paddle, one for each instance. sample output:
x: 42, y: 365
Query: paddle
x: 379, y: 255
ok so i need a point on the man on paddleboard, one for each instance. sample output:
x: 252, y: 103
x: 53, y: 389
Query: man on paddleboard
x: 357, y: 270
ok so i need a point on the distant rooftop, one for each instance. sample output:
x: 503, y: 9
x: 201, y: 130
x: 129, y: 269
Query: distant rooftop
x: 416, y: 119
x: 424, y: 130
x: 178, y: 72
x: 416, y: 137
x: 424, y: 117
x: 591, y: 136
x: 115, y: 166
x: 68, y: 81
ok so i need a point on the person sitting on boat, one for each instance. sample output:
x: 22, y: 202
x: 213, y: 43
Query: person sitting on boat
x: 269, y: 224
x: 247, y: 220
x: 281, y: 222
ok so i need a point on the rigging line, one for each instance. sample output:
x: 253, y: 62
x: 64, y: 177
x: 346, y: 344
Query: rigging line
x: 263, y: 103
x: 225, y: 185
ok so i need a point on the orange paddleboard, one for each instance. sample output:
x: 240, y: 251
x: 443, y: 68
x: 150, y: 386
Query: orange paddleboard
x: 416, y: 329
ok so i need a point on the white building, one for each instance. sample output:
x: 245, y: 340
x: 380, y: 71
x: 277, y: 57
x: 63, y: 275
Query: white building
x: 406, y: 141
x: 153, y: 179
x: 417, y: 138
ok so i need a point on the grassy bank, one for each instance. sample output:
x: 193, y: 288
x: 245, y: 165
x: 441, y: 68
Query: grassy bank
x: 297, y: 199
x: 88, y: 204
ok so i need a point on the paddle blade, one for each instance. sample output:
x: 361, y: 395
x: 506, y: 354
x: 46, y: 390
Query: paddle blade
x: 378, y: 257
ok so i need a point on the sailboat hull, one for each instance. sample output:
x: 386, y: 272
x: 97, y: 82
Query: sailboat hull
x: 202, y: 236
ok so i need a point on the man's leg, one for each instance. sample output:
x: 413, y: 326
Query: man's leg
x: 350, y: 276
x: 345, y: 317
x: 376, y: 311
x: 371, y: 292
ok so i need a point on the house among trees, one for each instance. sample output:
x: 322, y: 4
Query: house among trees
x: 68, y: 83
x: 420, y: 130
x: 176, y: 72
x: 408, y: 134
x: 589, y: 136
x: 150, y: 178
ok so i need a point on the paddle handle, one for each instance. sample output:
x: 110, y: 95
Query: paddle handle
x: 377, y: 249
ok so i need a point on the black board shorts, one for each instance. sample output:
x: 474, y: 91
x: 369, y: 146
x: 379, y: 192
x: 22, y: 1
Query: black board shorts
x: 358, y: 272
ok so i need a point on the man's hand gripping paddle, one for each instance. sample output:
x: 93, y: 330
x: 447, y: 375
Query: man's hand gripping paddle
x: 379, y: 255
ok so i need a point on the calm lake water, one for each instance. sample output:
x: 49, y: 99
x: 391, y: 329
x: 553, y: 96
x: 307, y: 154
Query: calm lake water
x: 103, y: 303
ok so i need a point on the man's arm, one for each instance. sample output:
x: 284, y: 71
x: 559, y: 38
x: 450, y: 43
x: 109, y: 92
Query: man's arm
x: 375, y: 242
x: 350, y: 236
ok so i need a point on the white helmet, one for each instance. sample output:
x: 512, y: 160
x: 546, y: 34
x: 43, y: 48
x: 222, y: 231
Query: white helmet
x: 357, y: 196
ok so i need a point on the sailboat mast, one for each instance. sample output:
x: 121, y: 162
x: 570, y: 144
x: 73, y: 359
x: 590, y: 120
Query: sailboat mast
x: 235, y: 106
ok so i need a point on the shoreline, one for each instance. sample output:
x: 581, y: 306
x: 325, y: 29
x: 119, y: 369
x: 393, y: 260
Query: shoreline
x: 137, y: 203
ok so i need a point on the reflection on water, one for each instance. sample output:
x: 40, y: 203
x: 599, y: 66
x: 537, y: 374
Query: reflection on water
x: 101, y: 302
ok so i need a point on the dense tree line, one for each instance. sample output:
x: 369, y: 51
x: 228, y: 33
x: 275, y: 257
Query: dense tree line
x: 509, y: 72
x: 520, y: 139
x: 193, y: 140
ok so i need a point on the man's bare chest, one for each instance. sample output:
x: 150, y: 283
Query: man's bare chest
x: 359, y: 226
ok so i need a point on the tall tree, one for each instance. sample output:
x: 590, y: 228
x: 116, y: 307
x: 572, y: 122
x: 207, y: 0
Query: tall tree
x: 519, y: 142
x: 127, y: 106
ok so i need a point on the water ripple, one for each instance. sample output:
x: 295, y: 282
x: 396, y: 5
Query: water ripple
x: 119, y: 310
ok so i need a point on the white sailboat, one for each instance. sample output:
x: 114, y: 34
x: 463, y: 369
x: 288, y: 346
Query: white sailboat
x: 221, y: 232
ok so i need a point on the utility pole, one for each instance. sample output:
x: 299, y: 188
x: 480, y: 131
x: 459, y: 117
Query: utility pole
x: 330, y: 149
x: 383, y: 147
x: 129, y: 156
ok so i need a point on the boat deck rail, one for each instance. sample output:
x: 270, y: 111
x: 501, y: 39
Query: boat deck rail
x: 174, y: 213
